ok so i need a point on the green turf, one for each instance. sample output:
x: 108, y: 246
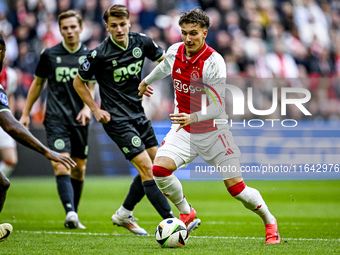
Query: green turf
x: 307, y: 212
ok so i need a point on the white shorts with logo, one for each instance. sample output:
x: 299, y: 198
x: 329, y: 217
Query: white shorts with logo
x: 217, y: 148
x: 6, y: 141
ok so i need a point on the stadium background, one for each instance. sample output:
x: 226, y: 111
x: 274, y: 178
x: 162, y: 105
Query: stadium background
x: 294, y: 42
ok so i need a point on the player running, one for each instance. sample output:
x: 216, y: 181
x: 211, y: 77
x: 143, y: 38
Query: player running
x: 66, y: 117
x: 193, y: 133
x: 23, y: 136
x: 117, y: 64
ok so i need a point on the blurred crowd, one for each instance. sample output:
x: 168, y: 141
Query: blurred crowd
x: 265, y: 43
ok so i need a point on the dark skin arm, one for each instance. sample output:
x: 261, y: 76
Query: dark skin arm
x: 21, y: 134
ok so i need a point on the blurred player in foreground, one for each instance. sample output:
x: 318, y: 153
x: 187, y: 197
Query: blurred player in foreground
x: 66, y: 117
x: 8, y: 146
x: 23, y: 136
x: 193, y: 133
x: 117, y: 64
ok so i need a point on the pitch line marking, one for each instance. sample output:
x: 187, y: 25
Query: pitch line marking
x: 196, y: 237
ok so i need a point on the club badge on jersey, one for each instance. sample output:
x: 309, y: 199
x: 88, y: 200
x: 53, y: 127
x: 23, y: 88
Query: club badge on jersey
x: 3, y: 98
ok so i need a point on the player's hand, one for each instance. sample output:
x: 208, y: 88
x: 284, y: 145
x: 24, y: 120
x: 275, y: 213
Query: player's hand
x: 84, y: 116
x: 25, y: 120
x: 102, y: 116
x: 145, y: 89
x: 183, y: 119
x: 65, y: 160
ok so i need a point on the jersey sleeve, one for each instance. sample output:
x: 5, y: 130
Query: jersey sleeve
x: 87, y: 69
x: 3, y: 100
x: 214, y: 76
x: 153, y: 51
x: 164, y: 68
x: 42, y: 69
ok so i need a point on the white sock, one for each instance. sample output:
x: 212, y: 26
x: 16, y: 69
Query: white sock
x: 253, y: 200
x: 172, y: 188
x: 6, y: 169
x: 123, y: 212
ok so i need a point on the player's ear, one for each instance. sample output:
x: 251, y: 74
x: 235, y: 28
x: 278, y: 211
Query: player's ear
x: 107, y: 28
x: 205, y: 33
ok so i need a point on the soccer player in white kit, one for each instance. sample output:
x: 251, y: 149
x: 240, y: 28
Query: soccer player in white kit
x: 193, y: 132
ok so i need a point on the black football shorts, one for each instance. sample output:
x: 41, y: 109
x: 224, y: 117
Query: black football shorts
x: 132, y: 136
x: 65, y: 138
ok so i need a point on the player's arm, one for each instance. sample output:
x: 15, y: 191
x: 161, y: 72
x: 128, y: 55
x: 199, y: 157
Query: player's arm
x: 159, y: 72
x: 84, y: 115
x: 16, y: 130
x: 33, y: 94
x: 85, y: 94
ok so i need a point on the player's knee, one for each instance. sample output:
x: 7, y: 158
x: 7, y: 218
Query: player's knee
x: 60, y: 169
x: 159, y: 171
x: 78, y: 172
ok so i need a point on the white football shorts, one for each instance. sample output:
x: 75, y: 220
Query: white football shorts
x: 217, y: 148
x: 6, y: 141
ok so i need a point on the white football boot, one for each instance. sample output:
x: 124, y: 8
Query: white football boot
x: 71, y: 220
x: 128, y: 223
x: 5, y: 230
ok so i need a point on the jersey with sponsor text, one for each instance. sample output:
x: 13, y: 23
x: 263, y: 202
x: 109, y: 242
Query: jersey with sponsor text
x: 59, y: 65
x: 191, y: 77
x: 118, y: 73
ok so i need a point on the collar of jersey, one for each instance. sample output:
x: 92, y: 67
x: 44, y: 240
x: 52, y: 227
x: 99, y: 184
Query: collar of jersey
x: 71, y: 51
x: 194, y: 58
x: 127, y: 44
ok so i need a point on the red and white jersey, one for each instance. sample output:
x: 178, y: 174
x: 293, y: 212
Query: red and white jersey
x: 9, y: 80
x: 194, y: 77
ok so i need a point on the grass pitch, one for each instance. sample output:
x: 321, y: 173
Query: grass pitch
x: 307, y: 213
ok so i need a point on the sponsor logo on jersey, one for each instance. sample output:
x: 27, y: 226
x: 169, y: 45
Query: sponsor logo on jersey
x: 59, y: 144
x: 94, y: 54
x: 86, y: 65
x: 137, y: 52
x: 81, y: 59
x: 123, y: 73
x: 178, y: 71
x: 64, y: 74
x: 136, y: 141
x: 180, y: 87
x: 114, y: 63
x: 58, y: 60
x: 3, y: 99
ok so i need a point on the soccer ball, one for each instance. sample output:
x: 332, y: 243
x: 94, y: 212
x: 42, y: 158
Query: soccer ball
x: 171, y: 232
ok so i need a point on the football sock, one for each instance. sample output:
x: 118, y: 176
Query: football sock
x: 123, y: 212
x: 157, y: 199
x: 6, y: 169
x: 136, y: 193
x: 171, y: 187
x: 65, y: 191
x: 77, y: 186
x: 252, y: 199
x: 4, y: 186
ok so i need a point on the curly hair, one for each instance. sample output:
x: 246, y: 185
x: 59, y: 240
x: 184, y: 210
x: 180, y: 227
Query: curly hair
x: 195, y: 16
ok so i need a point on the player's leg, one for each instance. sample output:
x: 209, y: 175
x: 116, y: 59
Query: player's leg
x: 4, y: 186
x: 8, y: 151
x: 77, y: 180
x: 250, y: 197
x: 174, y: 153
x: 143, y: 164
x: 58, y: 139
x: 5, y: 228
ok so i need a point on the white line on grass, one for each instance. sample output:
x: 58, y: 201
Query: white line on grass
x: 198, y: 237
